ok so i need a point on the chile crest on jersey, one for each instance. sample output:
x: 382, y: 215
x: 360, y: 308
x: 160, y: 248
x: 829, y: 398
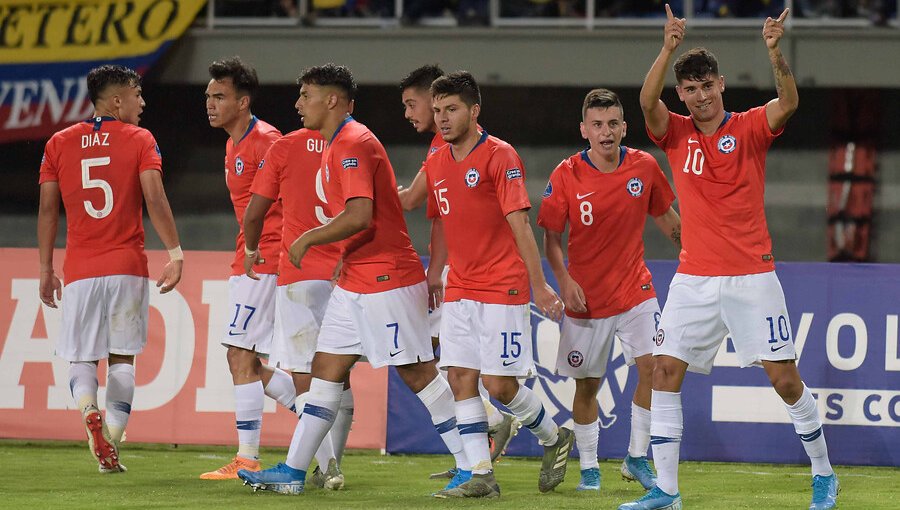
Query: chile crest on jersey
x: 727, y: 144
x: 472, y: 177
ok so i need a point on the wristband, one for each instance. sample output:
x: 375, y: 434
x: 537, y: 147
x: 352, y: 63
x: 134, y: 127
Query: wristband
x: 176, y: 253
x: 249, y: 253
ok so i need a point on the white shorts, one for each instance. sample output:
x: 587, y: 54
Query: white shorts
x: 251, y: 312
x: 495, y: 339
x: 585, y: 344
x: 102, y: 316
x: 299, y: 310
x: 434, y: 315
x: 388, y: 328
x: 701, y: 310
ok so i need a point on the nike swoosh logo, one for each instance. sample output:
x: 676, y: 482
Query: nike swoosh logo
x: 775, y: 349
x: 438, y: 183
x: 691, y: 140
x: 396, y: 353
x: 579, y: 196
x: 507, y: 363
x: 231, y: 333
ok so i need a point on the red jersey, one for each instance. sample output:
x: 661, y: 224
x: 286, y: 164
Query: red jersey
x: 242, y: 160
x: 606, y: 213
x: 720, y: 181
x: 473, y: 198
x: 380, y: 258
x: 98, y: 164
x: 291, y: 171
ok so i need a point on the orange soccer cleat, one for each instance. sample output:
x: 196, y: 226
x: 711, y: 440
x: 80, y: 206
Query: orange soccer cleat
x: 229, y: 471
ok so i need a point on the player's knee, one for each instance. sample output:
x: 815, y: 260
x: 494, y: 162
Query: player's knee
x: 417, y: 375
x: 586, y: 389
x: 667, y: 373
x: 503, y: 389
x: 242, y: 363
x: 789, y: 388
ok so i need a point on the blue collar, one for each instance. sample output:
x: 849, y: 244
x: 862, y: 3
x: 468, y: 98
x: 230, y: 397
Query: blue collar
x: 340, y: 127
x: 484, y: 137
x: 727, y: 116
x: 622, y: 151
x: 98, y: 121
x: 253, y: 120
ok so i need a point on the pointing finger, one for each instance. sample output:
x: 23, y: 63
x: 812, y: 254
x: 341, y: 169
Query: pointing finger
x: 783, y: 15
x: 669, y: 14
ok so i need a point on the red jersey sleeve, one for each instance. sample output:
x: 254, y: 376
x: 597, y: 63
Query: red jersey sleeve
x: 759, y: 127
x: 675, y: 123
x: 431, y: 208
x: 151, y: 157
x: 358, y: 164
x: 267, y: 181
x: 554, y: 210
x: 49, y: 170
x: 508, y: 174
x: 661, y: 195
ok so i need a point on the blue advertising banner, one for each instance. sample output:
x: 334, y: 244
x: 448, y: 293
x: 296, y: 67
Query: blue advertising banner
x: 845, y: 324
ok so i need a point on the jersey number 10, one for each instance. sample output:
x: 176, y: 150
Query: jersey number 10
x: 694, y: 161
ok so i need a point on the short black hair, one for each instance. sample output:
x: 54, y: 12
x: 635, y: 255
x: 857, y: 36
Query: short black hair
x: 243, y: 75
x: 330, y: 75
x: 460, y: 83
x: 99, y: 78
x: 696, y: 65
x: 601, y: 98
x: 422, y: 78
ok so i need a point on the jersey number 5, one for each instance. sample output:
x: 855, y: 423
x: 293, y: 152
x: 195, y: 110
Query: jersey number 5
x: 88, y: 183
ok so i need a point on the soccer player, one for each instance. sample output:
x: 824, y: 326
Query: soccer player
x: 251, y: 303
x: 416, y: 95
x: 100, y: 169
x: 290, y: 172
x: 479, y: 209
x: 605, y: 193
x: 379, y: 306
x: 726, y: 282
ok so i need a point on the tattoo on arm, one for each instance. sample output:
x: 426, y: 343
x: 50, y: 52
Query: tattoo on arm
x: 782, y: 71
x: 676, y: 237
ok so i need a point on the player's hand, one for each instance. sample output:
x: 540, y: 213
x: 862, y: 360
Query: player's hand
x: 573, y: 295
x: 435, y: 289
x: 297, y: 251
x: 50, y: 287
x: 773, y: 30
x: 336, y: 275
x: 251, y: 260
x: 170, y: 276
x: 674, y: 30
x: 548, y: 302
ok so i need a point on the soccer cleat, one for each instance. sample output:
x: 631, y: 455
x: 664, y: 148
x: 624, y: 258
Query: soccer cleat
x: 556, y: 457
x: 281, y: 478
x: 316, y: 479
x: 106, y: 471
x: 638, y: 468
x: 462, y: 476
x: 450, y: 473
x: 590, y: 480
x: 479, y: 486
x: 334, y: 478
x: 501, y: 435
x: 825, y: 492
x: 99, y: 442
x: 655, y: 499
x: 229, y: 471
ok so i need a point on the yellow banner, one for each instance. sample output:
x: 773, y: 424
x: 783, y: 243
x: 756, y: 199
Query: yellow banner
x: 41, y: 31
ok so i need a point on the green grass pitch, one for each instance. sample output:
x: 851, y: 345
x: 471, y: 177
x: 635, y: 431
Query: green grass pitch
x: 63, y: 475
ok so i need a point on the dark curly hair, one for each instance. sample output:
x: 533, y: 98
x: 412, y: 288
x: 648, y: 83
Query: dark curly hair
x: 330, y: 75
x: 696, y: 65
x: 243, y: 75
x: 460, y: 83
x: 422, y: 78
x: 99, y: 78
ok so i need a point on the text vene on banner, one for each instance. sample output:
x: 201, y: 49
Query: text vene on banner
x: 184, y: 391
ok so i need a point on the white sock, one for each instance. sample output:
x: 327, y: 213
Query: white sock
x: 438, y: 399
x: 528, y: 409
x: 83, y: 383
x: 119, y: 396
x: 248, y: 411
x: 281, y: 389
x: 342, y: 422
x: 494, y: 417
x: 666, y: 427
x: 640, y: 431
x: 587, y: 437
x: 325, y: 452
x: 805, y: 416
x: 471, y: 422
x: 322, y: 402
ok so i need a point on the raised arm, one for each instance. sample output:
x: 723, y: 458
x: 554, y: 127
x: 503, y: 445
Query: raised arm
x: 164, y: 224
x: 669, y: 223
x: 414, y: 196
x: 779, y: 110
x: 254, y: 216
x: 656, y: 114
x: 48, y: 225
x: 544, y: 297
x: 572, y: 294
